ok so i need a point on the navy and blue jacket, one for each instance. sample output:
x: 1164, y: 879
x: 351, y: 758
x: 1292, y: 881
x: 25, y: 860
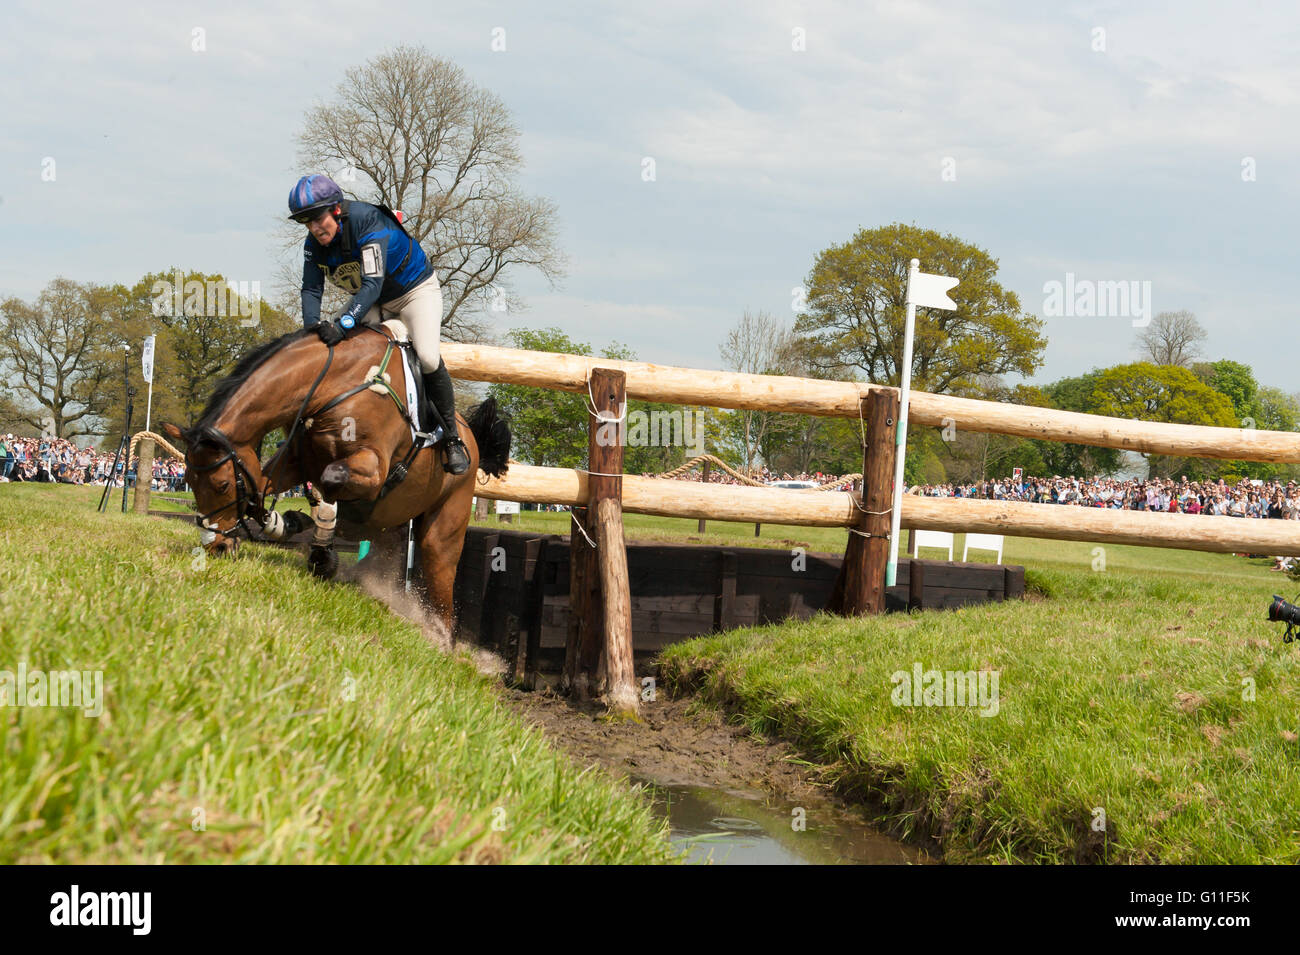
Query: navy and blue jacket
x: 371, y: 256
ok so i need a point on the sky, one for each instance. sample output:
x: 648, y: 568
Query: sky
x: 1148, y: 143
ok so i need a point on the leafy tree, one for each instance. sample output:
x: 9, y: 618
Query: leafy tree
x: 550, y: 428
x: 1075, y: 460
x: 1278, y: 411
x: 59, y: 350
x: 856, y: 313
x: 1148, y: 392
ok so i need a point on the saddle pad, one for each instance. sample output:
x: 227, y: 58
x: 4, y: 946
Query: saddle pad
x: 411, y: 365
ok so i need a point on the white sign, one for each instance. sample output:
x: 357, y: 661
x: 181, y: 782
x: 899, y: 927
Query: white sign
x: 146, y: 359
x: 507, y: 507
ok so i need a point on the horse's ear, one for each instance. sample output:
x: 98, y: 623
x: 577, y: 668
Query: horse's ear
x: 175, y: 433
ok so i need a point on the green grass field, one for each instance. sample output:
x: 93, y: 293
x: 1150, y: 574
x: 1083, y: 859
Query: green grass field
x: 1147, y: 712
x: 253, y: 714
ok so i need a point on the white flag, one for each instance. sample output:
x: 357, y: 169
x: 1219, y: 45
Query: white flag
x: 930, y: 290
x: 146, y: 360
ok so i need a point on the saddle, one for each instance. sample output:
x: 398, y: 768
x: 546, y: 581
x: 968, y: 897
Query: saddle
x: 378, y: 380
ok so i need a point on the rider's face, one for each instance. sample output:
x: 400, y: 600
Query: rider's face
x: 324, y: 227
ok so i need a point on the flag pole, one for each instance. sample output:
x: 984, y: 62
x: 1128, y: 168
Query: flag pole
x: 900, y: 451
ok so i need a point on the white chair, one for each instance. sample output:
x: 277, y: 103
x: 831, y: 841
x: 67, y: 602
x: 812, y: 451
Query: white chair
x: 983, y: 542
x: 939, y: 539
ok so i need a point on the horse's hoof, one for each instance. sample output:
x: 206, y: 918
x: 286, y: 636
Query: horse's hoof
x: 323, y: 562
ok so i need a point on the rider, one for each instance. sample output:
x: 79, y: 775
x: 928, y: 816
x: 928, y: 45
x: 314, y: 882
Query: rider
x: 364, y: 249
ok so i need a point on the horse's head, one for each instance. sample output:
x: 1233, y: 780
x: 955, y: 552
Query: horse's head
x: 227, y: 483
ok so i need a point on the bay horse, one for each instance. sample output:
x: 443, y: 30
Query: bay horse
x: 343, y: 409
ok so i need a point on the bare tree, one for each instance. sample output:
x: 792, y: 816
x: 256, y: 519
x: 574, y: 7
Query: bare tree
x: 61, y: 352
x: 1172, y: 338
x: 411, y: 131
x: 756, y: 345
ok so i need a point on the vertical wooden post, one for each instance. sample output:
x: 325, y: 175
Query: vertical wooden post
x: 586, y: 633
x: 916, y: 585
x: 143, y: 477
x: 704, y: 479
x: 860, y: 587
x: 616, y: 679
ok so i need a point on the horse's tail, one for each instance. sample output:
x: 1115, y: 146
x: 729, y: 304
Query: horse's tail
x: 492, y: 434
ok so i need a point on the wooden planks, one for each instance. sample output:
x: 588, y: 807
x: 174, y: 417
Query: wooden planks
x: 677, y: 591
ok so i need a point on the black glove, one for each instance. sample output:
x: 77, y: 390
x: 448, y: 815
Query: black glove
x: 330, y: 333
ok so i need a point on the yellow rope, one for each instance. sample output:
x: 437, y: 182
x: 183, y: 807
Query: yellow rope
x: 715, y: 461
x: 158, y: 439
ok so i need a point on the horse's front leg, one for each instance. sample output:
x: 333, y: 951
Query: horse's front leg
x: 359, y: 476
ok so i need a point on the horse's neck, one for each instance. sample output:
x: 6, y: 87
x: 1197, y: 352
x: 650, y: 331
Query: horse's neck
x: 273, y: 394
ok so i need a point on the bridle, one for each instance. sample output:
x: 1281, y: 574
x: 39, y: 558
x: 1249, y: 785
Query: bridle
x: 244, y: 503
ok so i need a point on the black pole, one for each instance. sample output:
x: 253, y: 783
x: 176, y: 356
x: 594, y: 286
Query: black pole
x: 123, y: 448
x: 126, y: 445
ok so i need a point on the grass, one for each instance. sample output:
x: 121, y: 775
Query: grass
x: 1147, y: 711
x: 253, y: 714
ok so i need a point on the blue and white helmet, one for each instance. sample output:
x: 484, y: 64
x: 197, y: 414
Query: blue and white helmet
x: 311, y: 195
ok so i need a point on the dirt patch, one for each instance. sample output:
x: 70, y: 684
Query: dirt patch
x: 679, y: 742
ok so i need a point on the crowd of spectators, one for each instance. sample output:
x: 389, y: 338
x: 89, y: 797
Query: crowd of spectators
x: 765, y: 475
x: 58, y: 460
x: 1246, y: 498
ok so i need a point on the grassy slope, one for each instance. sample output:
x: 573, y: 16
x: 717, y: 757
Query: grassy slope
x: 1123, y: 691
x: 226, y: 685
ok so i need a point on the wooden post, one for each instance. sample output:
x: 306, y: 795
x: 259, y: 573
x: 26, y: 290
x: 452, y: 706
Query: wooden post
x: 704, y: 479
x: 616, y: 679
x: 143, y: 477
x: 582, y: 648
x: 860, y: 587
x: 915, y: 585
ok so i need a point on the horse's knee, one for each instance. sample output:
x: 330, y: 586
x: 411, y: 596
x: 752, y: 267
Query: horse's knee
x: 335, y: 477
x: 355, y: 477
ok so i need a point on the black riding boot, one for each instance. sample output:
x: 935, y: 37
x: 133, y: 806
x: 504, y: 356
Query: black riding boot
x: 438, y: 393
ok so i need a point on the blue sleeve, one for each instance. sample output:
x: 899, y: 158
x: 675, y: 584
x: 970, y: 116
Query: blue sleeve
x: 372, y: 258
x: 313, y: 283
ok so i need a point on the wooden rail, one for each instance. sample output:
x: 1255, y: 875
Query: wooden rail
x: 841, y: 399
x: 749, y: 505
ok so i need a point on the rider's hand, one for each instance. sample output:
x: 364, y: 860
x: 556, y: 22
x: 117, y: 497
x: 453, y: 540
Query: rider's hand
x: 330, y: 333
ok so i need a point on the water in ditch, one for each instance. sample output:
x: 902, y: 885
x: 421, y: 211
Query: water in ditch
x: 731, y: 827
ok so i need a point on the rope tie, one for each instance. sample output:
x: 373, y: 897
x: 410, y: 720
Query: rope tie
x: 574, y: 520
x: 601, y: 415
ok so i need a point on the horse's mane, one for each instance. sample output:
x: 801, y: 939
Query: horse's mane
x: 249, y: 363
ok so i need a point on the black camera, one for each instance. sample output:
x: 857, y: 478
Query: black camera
x: 1287, y: 613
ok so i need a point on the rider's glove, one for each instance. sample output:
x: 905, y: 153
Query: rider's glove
x: 330, y: 333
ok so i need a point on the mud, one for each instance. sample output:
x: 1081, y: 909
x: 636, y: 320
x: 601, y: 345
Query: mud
x: 686, y: 747
x: 677, y: 743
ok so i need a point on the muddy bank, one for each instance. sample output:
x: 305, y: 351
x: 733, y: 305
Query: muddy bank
x: 684, y: 744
